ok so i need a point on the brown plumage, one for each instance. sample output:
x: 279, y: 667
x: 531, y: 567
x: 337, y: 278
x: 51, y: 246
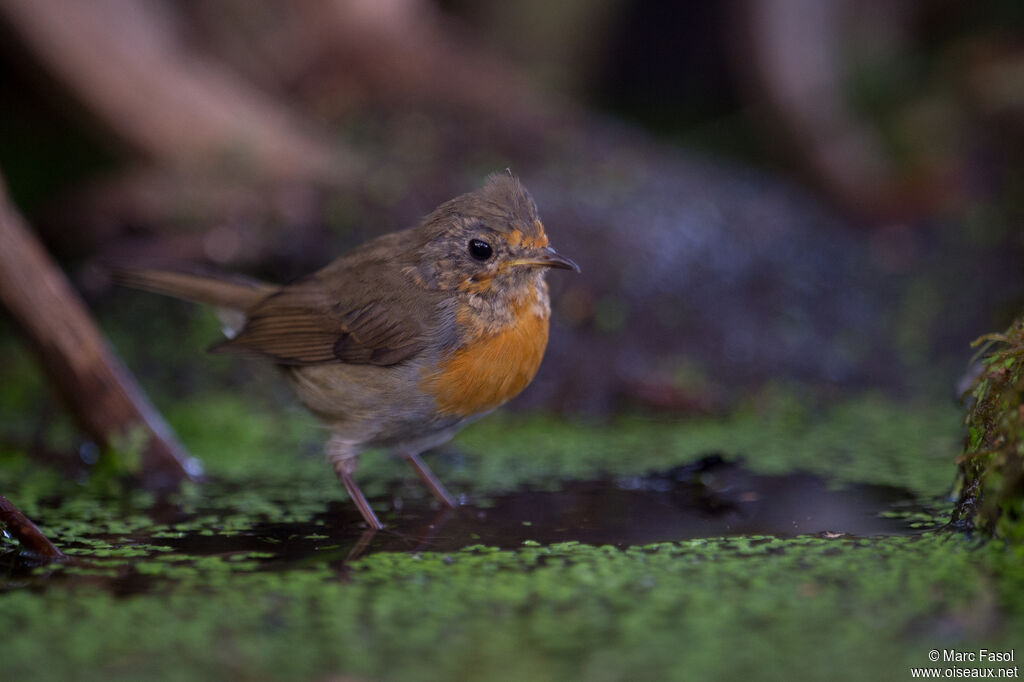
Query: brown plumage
x: 402, y: 341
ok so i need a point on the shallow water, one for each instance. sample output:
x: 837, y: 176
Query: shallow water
x: 710, y: 498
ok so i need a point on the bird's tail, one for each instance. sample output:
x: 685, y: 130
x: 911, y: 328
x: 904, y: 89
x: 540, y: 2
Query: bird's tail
x: 233, y: 292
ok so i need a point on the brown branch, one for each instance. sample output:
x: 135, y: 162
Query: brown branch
x: 26, y: 532
x: 77, y: 359
x: 340, y: 55
x: 792, y: 66
x: 405, y: 48
x: 123, y: 60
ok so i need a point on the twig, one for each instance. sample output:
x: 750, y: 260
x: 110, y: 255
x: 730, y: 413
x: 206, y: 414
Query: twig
x: 80, y: 364
x: 26, y: 532
x: 124, y: 60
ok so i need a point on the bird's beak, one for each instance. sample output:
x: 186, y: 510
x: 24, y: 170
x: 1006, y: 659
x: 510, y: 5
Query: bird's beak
x: 547, y: 258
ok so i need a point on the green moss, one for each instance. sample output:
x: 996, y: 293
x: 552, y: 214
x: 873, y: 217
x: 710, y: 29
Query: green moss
x: 203, y: 588
x: 805, y: 608
x: 991, y: 479
x: 870, y: 439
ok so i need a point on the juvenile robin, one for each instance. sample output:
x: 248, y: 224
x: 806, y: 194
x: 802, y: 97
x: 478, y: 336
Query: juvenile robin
x: 406, y: 339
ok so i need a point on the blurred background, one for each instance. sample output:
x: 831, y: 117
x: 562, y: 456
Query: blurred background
x: 792, y: 218
x: 818, y: 193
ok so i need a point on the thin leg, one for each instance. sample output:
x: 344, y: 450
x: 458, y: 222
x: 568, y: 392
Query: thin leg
x: 344, y: 459
x: 360, y: 500
x: 430, y: 479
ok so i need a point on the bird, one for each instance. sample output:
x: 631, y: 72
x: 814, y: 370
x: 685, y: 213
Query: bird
x: 404, y: 340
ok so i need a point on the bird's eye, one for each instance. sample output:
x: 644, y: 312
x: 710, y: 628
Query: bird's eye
x: 480, y: 250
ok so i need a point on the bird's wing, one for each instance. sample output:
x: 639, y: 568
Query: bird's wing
x: 303, y: 324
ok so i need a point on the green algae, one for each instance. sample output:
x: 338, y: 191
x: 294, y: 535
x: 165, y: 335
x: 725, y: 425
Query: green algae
x: 174, y: 589
x: 130, y: 604
x: 758, y: 607
x: 869, y: 439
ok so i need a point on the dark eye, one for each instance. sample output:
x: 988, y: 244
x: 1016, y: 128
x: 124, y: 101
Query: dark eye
x: 480, y: 249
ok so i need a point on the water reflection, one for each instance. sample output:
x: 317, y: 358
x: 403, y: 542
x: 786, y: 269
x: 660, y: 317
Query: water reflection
x: 710, y: 498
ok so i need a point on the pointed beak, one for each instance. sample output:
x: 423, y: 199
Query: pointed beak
x: 548, y: 258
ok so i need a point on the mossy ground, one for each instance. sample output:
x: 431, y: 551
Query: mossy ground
x: 744, y: 608
x: 132, y: 604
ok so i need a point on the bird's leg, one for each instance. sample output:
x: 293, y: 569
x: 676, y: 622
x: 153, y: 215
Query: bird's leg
x: 429, y: 479
x: 344, y: 459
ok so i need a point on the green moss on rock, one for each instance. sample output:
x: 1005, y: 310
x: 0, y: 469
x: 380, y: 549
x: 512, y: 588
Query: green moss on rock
x: 991, y: 481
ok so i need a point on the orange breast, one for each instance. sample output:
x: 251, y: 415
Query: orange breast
x: 489, y: 371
